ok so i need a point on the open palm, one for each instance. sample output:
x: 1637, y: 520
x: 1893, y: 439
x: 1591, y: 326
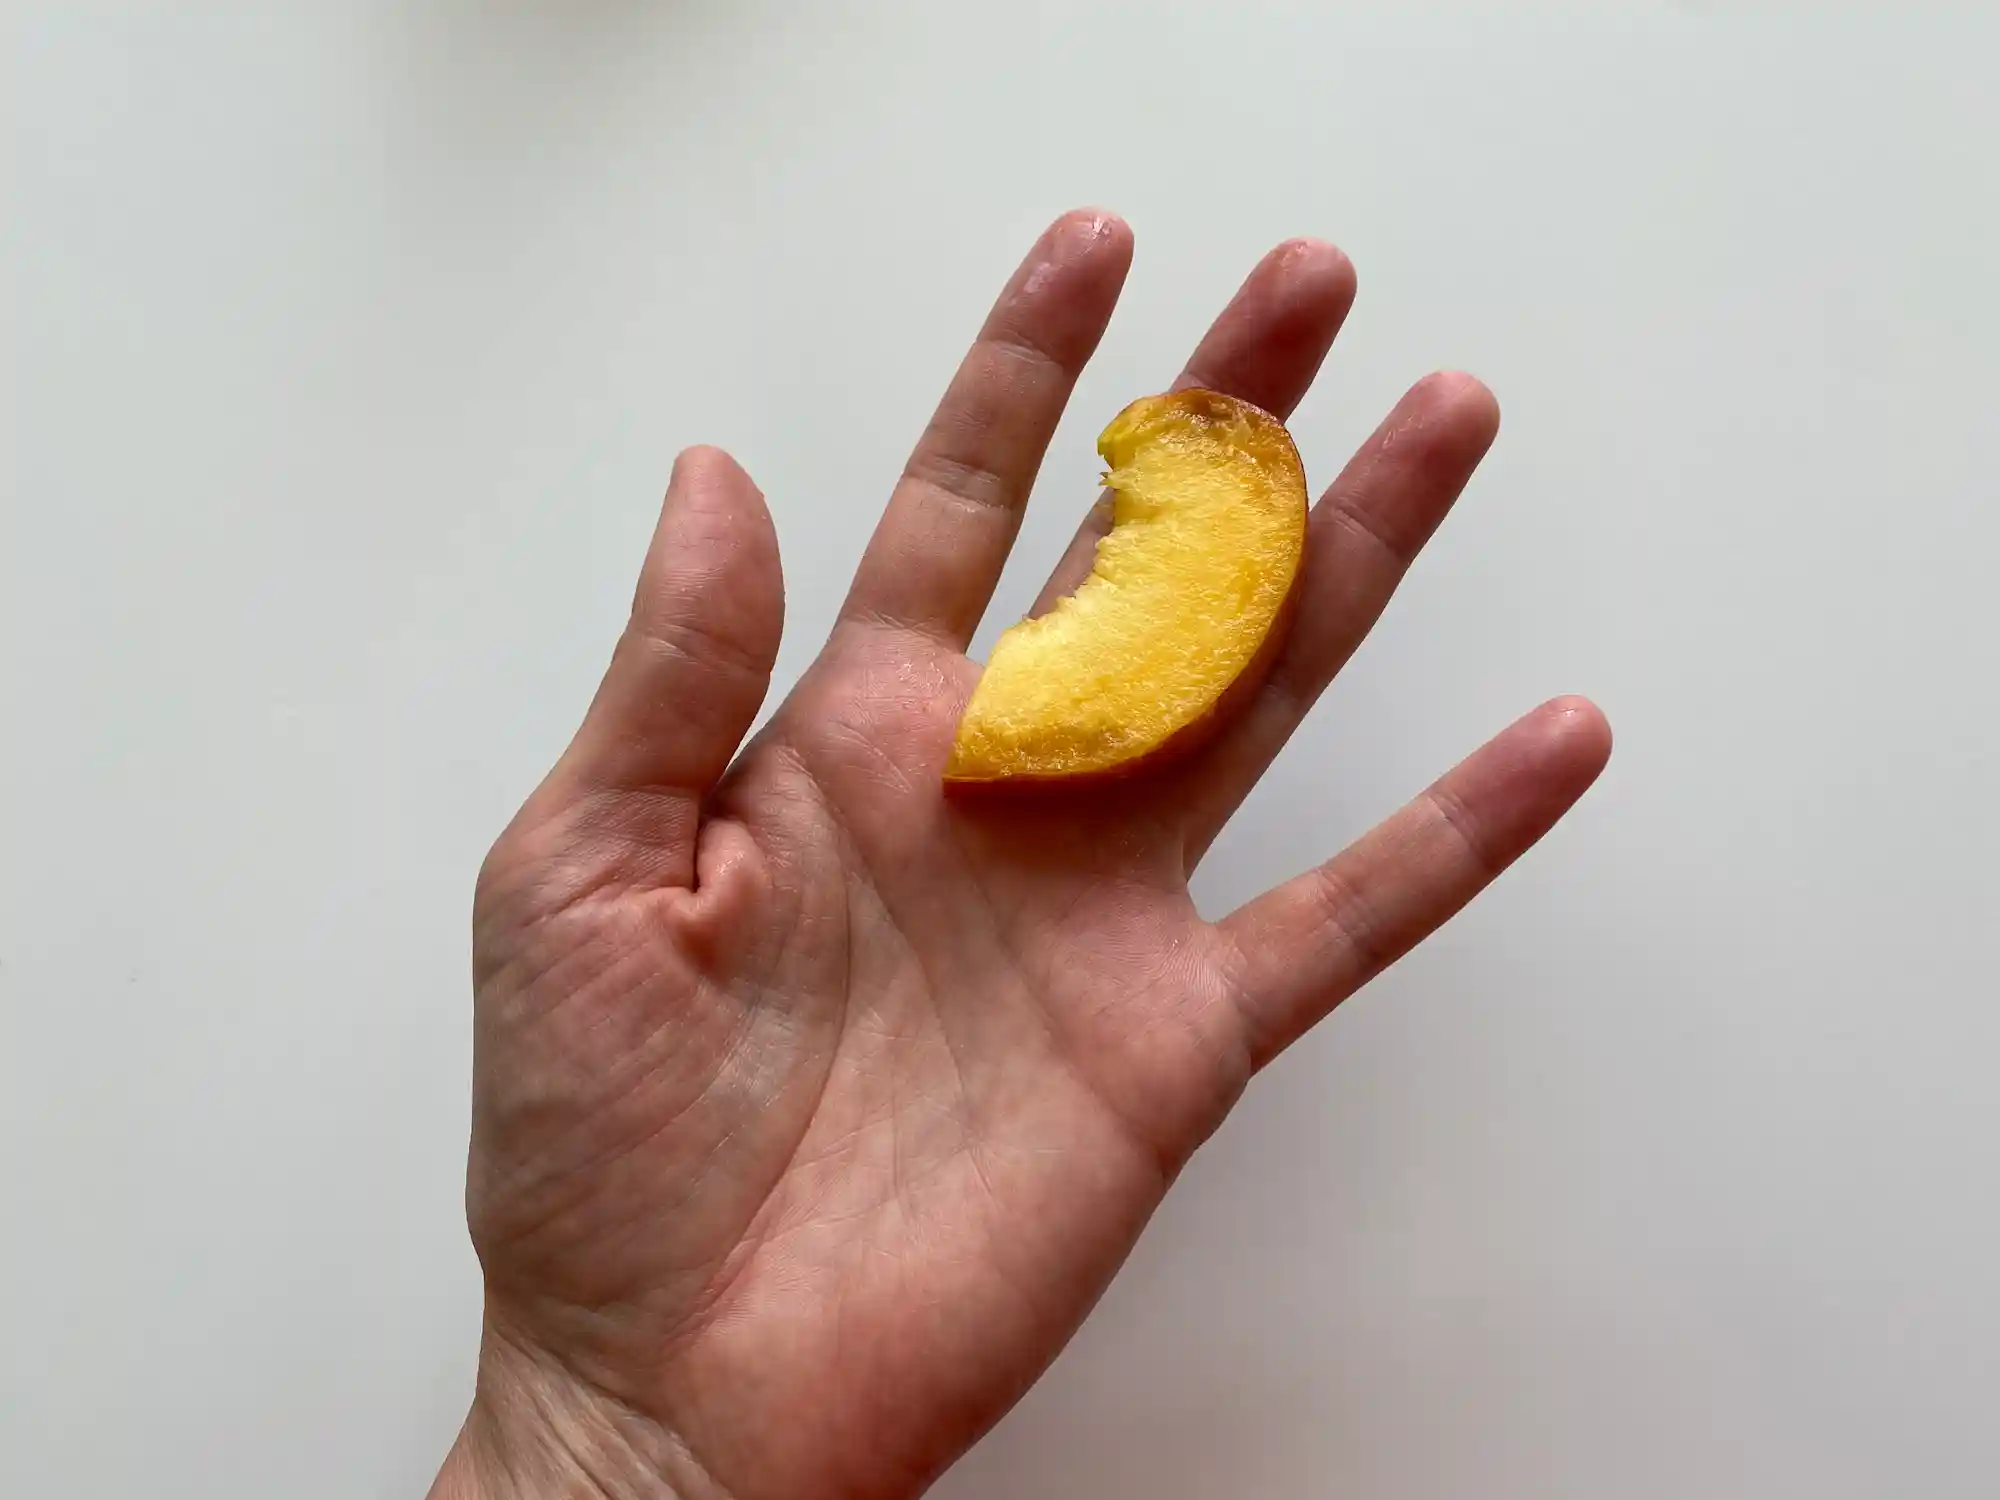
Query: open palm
x: 814, y: 1108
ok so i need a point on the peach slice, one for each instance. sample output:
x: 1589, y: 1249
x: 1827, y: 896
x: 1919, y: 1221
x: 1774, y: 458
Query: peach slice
x: 1208, y: 526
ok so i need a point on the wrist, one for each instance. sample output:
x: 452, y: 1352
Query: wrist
x: 537, y: 1432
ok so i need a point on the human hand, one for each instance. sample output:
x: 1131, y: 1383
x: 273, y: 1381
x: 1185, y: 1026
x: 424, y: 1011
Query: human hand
x: 813, y: 1108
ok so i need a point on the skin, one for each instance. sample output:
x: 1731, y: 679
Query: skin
x: 814, y: 1109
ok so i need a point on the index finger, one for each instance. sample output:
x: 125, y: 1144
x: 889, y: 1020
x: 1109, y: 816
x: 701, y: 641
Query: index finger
x: 936, y: 556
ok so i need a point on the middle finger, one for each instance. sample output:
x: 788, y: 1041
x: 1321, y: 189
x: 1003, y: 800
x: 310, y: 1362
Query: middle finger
x: 1265, y: 348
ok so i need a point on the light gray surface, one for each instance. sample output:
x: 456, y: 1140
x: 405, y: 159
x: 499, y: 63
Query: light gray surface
x: 345, y: 357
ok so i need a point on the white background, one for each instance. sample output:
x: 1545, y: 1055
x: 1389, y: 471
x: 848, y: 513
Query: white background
x: 346, y: 352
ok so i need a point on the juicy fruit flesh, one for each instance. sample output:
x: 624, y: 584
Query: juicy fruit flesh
x: 1208, y: 525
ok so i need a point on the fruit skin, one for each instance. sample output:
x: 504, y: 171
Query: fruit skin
x: 1188, y: 597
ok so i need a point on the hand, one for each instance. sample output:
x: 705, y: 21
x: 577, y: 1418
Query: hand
x: 813, y: 1109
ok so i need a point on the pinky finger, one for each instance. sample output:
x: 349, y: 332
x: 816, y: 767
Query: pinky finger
x: 1301, y: 949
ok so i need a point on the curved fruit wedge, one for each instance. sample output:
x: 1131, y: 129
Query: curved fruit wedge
x: 1208, y: 526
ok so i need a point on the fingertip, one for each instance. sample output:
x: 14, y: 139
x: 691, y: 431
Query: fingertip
x: 709, y: 493
x: 715, y: 521
x: 1464, y: 399
x: 1574, y: 707
x: 1269, y: 341
x: 704, y: 461
x: 1314, y: 264
x: 1094, y: 220
x: 1301, y: 288
x: 1061, y: 297
x: 1089, y: 232
x: 1578, y: 718
x: 1573, y: 733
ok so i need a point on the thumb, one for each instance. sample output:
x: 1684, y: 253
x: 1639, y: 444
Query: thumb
x: 691, y: 669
